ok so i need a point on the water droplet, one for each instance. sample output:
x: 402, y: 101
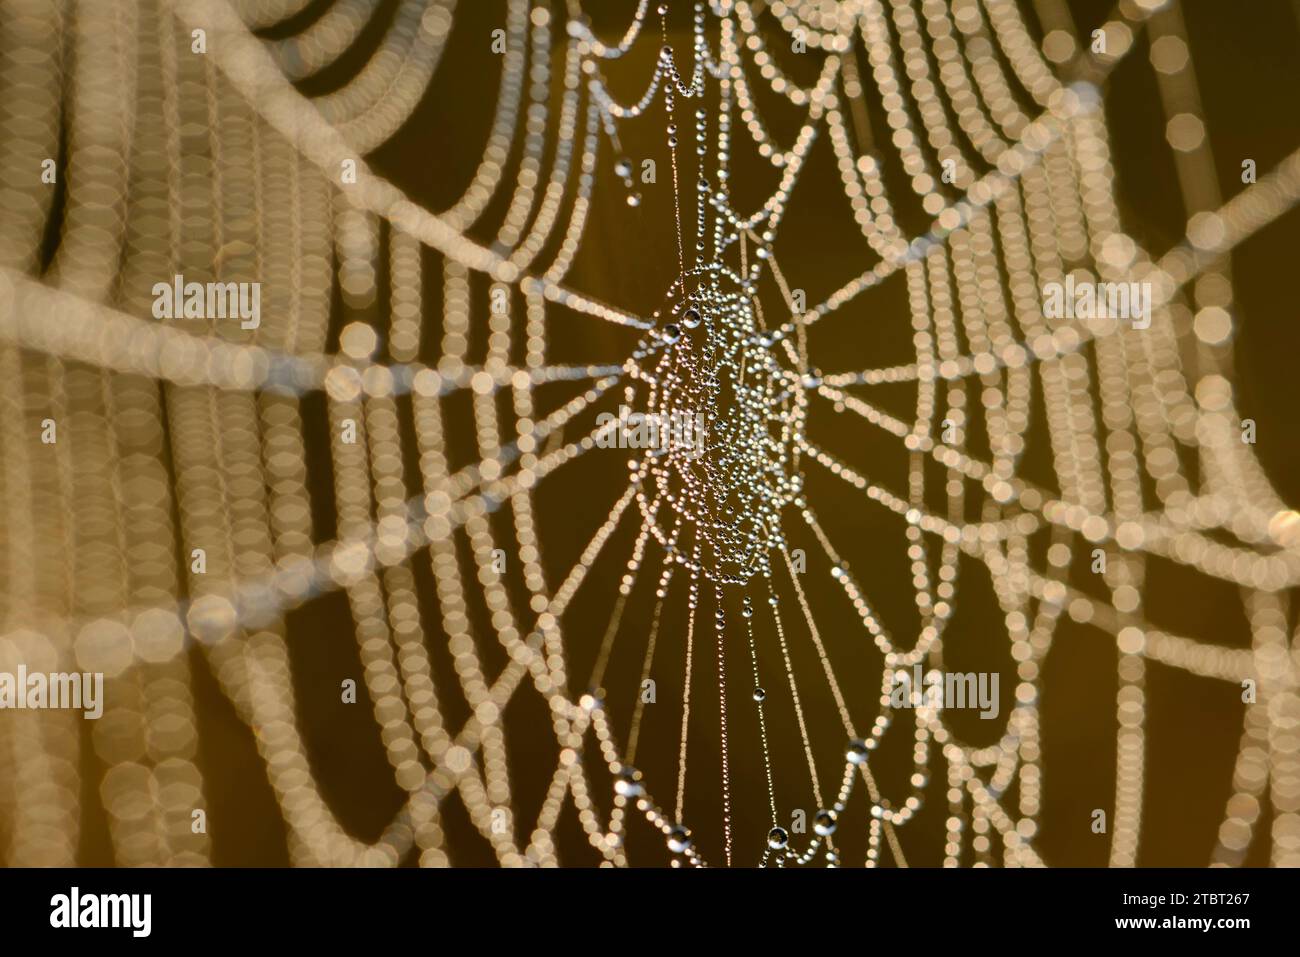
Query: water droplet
x: 623, y: 168
x: 824, y: 823
x: 679, y: 839
x: 777, y: 838
x: 672, y: 332
x: 760, y: 695
x: 857, y: 751
x: 691, y: 317
x: 634, y: 199
x: 628, y: 783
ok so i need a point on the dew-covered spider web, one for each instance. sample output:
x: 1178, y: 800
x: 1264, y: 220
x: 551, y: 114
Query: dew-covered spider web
x: 573, y: 651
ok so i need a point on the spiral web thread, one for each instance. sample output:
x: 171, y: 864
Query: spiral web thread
x: 173, y: 437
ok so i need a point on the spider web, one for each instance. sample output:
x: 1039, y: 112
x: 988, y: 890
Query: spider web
x: 173, y: 439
